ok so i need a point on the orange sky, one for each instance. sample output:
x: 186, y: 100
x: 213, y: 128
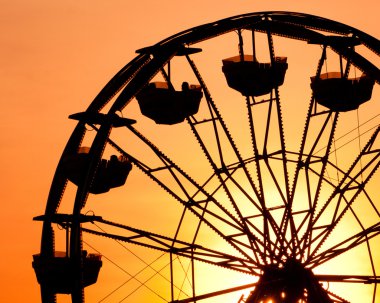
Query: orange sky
x: 55, y: 56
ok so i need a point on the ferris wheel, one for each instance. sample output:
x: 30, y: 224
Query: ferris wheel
x: 247, y: 147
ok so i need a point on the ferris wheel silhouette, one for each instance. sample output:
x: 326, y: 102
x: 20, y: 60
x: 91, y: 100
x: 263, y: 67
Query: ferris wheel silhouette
x: 267, y: 168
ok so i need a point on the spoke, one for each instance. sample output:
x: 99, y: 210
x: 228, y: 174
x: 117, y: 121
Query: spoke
x: 256, y: 157
x: 314, y: 194
x: 346, y: 245
x: 287, y: 217
x: 215, y: 293
x: 177, y: 247
x: 349, y: 279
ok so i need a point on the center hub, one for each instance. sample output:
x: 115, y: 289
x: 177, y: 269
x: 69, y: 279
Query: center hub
x: 288, y: 283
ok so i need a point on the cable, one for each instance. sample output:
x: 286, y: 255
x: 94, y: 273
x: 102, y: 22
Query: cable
x: 350, y: 131
x: 144, y: 284
x: 122, y: 269
x: 134, y: 254
x: 186, y: 278
x: 125, y: 282
x: 148, y: 265
x: 356, y: 138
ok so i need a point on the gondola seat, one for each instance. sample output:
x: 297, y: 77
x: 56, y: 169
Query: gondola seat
x: 168, y: 106
x: 252, y: 78
x: 109, y: 174
x: 340, y: 94
x: 56, y: 273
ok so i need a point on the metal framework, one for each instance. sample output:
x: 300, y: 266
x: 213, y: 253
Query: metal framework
x: 276, y: 208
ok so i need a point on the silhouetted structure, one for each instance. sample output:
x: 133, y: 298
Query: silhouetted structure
x: 341, y: 94
x: 56, y: 272
x: 167, y: 106
x: 252, y: 78
x: 288, y: 284
x: 276, y: 208
x: 109, y: 174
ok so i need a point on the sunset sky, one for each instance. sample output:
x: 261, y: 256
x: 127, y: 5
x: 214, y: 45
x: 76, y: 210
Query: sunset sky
x: 55, y: 56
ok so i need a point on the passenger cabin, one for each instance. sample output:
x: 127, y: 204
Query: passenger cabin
x: 165, y: 105
x: 110, y: 173
x: 341, y: 94
x: 252, y: 78
x: 56, y: 273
